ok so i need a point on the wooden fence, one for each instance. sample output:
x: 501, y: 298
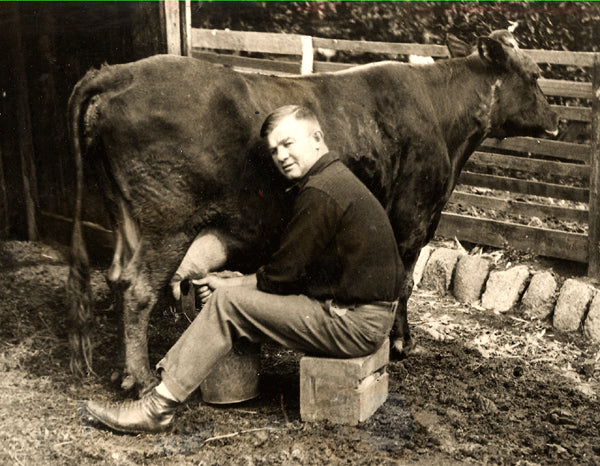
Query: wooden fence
x: 501, y: 177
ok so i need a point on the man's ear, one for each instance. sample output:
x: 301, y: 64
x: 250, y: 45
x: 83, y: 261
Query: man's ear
x: 318, y: 135
x: 491, y: 50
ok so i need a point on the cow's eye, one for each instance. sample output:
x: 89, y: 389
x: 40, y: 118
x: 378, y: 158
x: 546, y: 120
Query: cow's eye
x: 535, y: 74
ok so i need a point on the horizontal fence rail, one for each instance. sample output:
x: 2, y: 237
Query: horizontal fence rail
x: 390, y: 48
x: 559, y: 57
x: 574, y: 113
x: 283, y: 44
x: 520, y: 208
x: 529, y: 165
x: 546, y: 147
x: 545, y: 242
x: 532, y: 188
x: 551, y: 171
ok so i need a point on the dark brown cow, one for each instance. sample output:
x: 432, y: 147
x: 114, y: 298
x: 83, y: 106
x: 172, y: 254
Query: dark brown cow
x: 175, y: 141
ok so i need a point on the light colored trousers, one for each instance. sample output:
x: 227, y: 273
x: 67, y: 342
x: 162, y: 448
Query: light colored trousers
x: 294, y: 321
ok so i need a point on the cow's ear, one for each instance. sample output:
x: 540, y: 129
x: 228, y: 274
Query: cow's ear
x: 457, y: 47
x: 491, y: 50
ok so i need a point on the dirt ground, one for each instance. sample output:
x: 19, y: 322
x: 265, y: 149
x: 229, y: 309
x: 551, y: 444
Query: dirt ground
x: 482, y: 388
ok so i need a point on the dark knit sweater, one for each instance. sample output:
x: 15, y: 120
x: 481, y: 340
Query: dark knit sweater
x: 339, y: 243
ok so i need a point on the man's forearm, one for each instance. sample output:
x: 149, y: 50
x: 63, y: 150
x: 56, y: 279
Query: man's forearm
x: 214, y: 281
x: 244, y: 280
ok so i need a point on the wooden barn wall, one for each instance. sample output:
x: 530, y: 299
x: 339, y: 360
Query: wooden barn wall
x: 56, y: 43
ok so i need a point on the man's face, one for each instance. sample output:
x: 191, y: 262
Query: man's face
x: 294, y: 147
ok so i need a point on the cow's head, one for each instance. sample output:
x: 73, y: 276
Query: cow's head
x: 517, y: 105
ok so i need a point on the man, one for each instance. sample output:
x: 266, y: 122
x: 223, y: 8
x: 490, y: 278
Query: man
x: 330, y: 289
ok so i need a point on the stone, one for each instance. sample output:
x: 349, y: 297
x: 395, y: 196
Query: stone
x: 504, y: 288
x: 538, y: 300
x: 420, y: 264
x: 591, y: 326
x: 343, y: 391
x: 571, y: 305
x: 469, y: 277
x: 440, y: 269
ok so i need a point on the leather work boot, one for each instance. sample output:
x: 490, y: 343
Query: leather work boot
x: 151, y: 413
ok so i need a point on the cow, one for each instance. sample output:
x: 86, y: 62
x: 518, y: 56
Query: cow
x: 175, y: 143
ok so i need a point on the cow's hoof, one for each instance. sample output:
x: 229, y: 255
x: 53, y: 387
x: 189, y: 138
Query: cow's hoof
x: 401, y: 349
x: 128, y: 382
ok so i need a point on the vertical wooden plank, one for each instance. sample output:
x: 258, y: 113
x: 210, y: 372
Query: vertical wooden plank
x: 149, y: 35
x: 7, y: 149
x: 594, y: 207
x: 172, y: 26
x: 4, y: 218
x: 49, y: 112
x: 307, y: 55
x: 24, y: 134
x: 185, y: 20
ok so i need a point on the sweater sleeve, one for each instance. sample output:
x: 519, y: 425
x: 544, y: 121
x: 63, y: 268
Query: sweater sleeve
x: 310, y: 230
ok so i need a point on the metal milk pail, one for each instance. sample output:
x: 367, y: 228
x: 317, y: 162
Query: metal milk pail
x: 235, y: 378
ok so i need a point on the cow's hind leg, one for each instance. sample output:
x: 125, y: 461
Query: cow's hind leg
x: 147, y: 276
x: 138, y: 301
x: 136, y: 296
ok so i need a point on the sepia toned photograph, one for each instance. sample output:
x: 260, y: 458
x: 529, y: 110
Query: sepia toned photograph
x: 300, y: 233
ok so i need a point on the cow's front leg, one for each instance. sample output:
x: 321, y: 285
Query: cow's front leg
x: 402, y: 343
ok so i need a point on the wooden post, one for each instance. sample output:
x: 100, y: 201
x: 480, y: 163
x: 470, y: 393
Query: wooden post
x: 4, y: 219
x: 170, y: 9
x: 24, y: 133
x: 594, y: 203
x: 185, y: 21
x: 307, y: 55
x: 52, y: 159
x: 5, y: 152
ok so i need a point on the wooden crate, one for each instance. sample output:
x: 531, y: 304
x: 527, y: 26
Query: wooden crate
x: 343, y: 391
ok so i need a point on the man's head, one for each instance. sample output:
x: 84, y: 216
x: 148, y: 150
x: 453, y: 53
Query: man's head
x: 295, y: 140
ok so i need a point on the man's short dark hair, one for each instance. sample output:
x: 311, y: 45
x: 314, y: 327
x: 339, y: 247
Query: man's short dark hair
x: 299, y: 112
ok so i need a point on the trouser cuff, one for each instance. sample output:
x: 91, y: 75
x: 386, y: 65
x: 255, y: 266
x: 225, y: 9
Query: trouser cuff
x: 176, y: 389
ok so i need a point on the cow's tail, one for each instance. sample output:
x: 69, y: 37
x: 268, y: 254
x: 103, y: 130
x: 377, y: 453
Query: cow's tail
x: 79, y: 293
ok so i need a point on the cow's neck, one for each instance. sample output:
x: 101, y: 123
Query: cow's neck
x: 469, y: 98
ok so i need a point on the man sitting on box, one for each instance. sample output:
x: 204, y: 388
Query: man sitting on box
x: 330, y: 289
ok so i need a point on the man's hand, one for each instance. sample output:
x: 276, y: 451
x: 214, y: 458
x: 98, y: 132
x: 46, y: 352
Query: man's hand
x: 208, y: 284
x: 211, y: 282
